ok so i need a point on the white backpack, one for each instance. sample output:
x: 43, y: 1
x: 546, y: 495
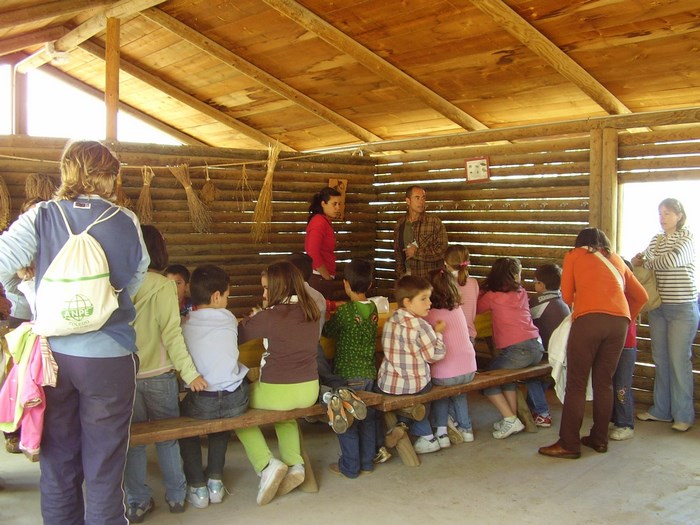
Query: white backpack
x: 75, y: 295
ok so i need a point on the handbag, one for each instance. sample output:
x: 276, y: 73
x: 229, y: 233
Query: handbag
x: 647, y: 278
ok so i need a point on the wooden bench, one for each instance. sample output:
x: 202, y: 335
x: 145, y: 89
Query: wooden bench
x: 181, y: 427
x: 390, y: 404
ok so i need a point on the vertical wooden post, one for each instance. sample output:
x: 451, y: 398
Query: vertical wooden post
x: 608, y: 210
x: 112, y: 77
x: 19, y: 103
x: 596, y: 179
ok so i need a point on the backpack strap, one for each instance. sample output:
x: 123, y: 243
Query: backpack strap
x: 65, y: 219
x: 101, y: 218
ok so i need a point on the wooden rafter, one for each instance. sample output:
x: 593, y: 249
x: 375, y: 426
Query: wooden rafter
x: 373, y: 62
x: 46, y: 11
x: 86, y: 30
x: 250, y: 70
x: 509, y: 20
x: 183, y: 97
x: 31, y: 39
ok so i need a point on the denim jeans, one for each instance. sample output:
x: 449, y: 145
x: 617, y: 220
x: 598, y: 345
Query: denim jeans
x: 358, y: 443
x: 199, y: 406
x: 673, y: 328
x: 457, y: 405
x: 156, y: 398
x: 623, y: 404
x: 519, y: 355
x: 536, y: 398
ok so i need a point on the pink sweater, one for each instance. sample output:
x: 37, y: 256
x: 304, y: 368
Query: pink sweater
x: 512, y: 322
x: 460, y: 358
x: 470, y: 294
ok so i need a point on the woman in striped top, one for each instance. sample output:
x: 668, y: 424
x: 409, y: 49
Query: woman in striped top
x: 674, y: 324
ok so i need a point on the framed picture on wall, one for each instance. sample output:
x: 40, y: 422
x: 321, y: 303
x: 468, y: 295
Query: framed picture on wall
x: 477, y: 169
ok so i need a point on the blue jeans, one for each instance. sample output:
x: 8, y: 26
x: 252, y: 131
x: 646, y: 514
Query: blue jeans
x: 536, y: 398
x: 441, y: 408
x: 358, y: 443
x: 623, y: 401
x: 520, y: 355
x: 204, y: 406
x: 673, y: 328
x: 156, y: 398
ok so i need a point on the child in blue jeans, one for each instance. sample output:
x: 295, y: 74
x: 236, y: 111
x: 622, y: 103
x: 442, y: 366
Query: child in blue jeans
x: 354, y: 325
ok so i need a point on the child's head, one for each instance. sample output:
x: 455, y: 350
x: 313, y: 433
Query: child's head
x: 155, y: 244
x: 181, y: 275
x: 457, y: 260
x: 281, y: 281
x: 303, y: 263
x: 595, y: 240
x: 357, y: 275
x: 445, y: 294
x: 209, y: 287
x: 87, y: 167
x: 547, y: 277
x: 504, y: 276
x: 413, y: 294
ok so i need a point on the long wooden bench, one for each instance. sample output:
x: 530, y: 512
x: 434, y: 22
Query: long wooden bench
x: 390, y: 405
x: 147, y: 432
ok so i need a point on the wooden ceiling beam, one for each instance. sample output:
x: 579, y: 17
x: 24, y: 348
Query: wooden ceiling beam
x: 31, y: 39
x: 373, y: 62
x: 512, y: 22
x: 46, y: 11
x: 86, y: 30
x: 183, y: 97
x: 267, y: 80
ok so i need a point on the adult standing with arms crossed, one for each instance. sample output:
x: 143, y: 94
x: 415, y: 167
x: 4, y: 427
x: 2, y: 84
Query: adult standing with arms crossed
x: 319, y: 242
x: 674, y: 324
x: 420, y: 239
x: 86, y: 422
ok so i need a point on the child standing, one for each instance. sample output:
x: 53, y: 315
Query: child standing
x: 288, y: 375
x: 410, y: 344
x: 181, y: 275
x: 459, y: 365
x: 161, y: 351
x: 354, y: 325
x: 457, y: 262
x: 211, y: 337
x: 514, y: 334
x: 548, y: 310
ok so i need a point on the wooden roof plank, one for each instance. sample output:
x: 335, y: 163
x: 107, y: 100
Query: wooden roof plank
x: 47, y: 11
x: 373, y: 62
x: 33, y: 38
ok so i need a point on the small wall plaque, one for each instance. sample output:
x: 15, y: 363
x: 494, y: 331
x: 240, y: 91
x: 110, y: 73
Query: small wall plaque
x: 477, y: 169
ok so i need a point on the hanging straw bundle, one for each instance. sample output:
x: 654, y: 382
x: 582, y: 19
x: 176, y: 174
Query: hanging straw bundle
x: 4, y: 205
x: 242, y: 190
x: 208, y: 193
x: 144, y: 206
x: 122, y: 199
x: 39, y: 186
x: 262, y: 216
x: 199, y: 214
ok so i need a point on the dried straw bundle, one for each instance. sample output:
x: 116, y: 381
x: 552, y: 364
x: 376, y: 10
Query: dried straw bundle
x: 144, y: 206
x: 262, y: 216
x: 242, y: 190
x: 208, y: 193
x: 122, y: 199
x: 199, y: 214
x: 4, y: 205
x: 39, y: 186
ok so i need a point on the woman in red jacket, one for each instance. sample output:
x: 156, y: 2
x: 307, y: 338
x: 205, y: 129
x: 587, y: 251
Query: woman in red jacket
x: 594, y: 281
x: 319, y: 242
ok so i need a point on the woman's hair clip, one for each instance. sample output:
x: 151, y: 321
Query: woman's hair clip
x: 464, y: 263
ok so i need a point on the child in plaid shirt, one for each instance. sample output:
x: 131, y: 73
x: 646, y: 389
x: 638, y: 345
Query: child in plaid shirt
x: 410, y: 344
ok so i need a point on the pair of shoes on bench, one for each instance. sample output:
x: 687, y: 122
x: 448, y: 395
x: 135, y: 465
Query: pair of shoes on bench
x: 337, y: 418
x: 351, y: 403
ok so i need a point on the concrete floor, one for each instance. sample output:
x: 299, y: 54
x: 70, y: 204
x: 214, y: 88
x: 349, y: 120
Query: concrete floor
x: 651, y: 479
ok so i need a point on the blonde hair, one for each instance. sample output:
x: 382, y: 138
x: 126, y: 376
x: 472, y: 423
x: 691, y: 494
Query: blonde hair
x: 87, y: 167
x: 457, y: 259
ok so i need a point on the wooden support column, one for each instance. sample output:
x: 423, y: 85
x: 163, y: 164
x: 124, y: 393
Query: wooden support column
x: 596, y: 179
x: 19, y: 103
x: 609, y: 184
x: 112, y: 77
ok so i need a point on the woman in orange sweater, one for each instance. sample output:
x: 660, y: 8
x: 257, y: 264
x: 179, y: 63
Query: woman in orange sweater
x: 594, y: 282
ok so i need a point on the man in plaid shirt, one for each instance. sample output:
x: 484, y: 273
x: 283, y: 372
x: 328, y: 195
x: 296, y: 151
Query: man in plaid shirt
x: 420, y: 239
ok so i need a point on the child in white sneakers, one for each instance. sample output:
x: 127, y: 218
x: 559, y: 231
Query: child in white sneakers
x: 457, y: 262
x: 410, y: 344
x: 459, y: 365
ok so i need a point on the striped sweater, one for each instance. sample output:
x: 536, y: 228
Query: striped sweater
x: 672, y: 257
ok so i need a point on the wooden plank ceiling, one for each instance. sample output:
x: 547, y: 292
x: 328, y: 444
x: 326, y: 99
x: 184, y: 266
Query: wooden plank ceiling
x: 317, y: 74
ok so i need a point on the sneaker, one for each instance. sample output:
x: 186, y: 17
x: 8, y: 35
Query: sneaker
x: 508, y: 428
x: 646, y: 416
x: 295, y: 476
x: 498, y: 424
x: 621, y: 433
x: 543, y: 421
x: 467, y: 434
x: 12, y: 445
x: 270, y: 479
x: 198, y: 496
x: 136, y: 513
x: 680, y: 426
x: 216, y: 490
x: 424, y: 445
x: 176, y: 507
x: 453, y: 431
x: 382, y: 456
x: 444, y: 441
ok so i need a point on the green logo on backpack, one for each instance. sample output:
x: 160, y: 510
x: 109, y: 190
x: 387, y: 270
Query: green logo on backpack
x: 77, y: 309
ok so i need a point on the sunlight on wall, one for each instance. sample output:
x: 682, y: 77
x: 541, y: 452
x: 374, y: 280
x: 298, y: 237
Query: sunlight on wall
x: 5, y: 100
